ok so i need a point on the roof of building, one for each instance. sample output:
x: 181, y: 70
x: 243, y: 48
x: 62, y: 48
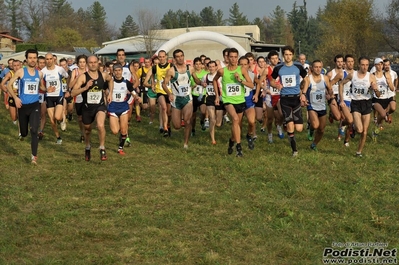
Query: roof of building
x: 5, y: 34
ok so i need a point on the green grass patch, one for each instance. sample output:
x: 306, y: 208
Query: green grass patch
x: 161, y: 204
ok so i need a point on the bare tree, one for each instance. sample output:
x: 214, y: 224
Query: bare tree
x: 33, y: 14
x: 149, y: 26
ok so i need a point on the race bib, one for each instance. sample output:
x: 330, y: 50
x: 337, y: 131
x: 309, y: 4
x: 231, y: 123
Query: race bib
x: 31, y: 88
x: 41, y: 98
x: 233, y: 90
x: 210, y: 91
x: 198, y: 89
x: 94, y: 97
x: 274, y: 91
x: 64, y: 87
x: 183, y: 91
x: 289, y: 80
x: 247, y: 91
x: 118, y: 96
x: 318, y: 100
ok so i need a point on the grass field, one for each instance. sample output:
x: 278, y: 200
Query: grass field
x: 161, y: 204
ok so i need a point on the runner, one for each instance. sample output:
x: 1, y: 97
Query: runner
x: 315, y: 87
x: 345, y: 100
x: 273, y: 107
x: 52, y: 76
x: 363, y: 86
x: 381, y: 103
x: 41, y: 63
x: 251, y: 97
x: 16, y: 65
x: 215, y: 112
x: 92, y: 85
x: 198, y: 99
x: 234, y: 78
x: 141, y: 74
x: 157, y: 76
x: 180, y: 96
x: 118, y: 106
x: 291, y: 99
x: 30, y: 81
x: 81, y: 69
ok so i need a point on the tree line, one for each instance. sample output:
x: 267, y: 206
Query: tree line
x: 341, y: 26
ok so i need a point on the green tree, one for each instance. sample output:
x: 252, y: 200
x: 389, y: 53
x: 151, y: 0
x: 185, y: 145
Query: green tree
x: 298, y: 19
x: 66, y: 38
x: 315, y: 33
x: 219, y: 18
x: 262, y: 27
x: 14, y: 14
x: 349, y: 26
x: 98, y: 23
x: 278, y: 26
x: 169, y: 20
x: 208, y: 16
x: 194, y: 20
x: 237, y: 18
x: 391, y: 23
x: 129, y: 28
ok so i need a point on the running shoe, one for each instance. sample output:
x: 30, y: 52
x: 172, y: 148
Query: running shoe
x: 63, y: 126
x: 34, y: 160
x: 165, y: 133
x: 294, y: 153
x: 87, y: 154
x: 310, y: 134
x: 226, y: 119
x: 389, y: 116
x: 206, y: 123
x: 230, y: 148
x: 138, y: 118
x: 313, y: 147
x: 203, y: 125
x: 59, y: 140
x: 127, y: 142
x: 270, y: 138
x: 251, y: 144
x: 280, y: 132
x: 82, y: 139
x: 103, y: 155
x: 121, y: 152
x: 352, y: 131
x: 239, y: 151
x: 40, y: 135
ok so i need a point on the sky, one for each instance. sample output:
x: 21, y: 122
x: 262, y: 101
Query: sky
x: 118, y: 10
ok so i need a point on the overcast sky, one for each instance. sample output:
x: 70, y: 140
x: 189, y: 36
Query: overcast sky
x: 118, y: 10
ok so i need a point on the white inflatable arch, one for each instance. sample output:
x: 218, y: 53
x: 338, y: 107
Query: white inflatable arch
x: 201, y: 35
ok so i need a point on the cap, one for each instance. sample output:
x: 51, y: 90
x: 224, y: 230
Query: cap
x: 378, y: 60
x: 141, y: 60
x: 117, y: 65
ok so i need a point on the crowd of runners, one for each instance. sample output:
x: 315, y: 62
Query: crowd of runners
x: 269, y: 91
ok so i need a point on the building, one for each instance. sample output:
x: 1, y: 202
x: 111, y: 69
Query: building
x: 247, y: 36
x: 8, y: 43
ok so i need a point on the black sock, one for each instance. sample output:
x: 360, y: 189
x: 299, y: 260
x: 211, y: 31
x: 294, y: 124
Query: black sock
x: 292, y: 141
x: 231, y: 143
x: 122, y: 141
x: 238, y: 146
